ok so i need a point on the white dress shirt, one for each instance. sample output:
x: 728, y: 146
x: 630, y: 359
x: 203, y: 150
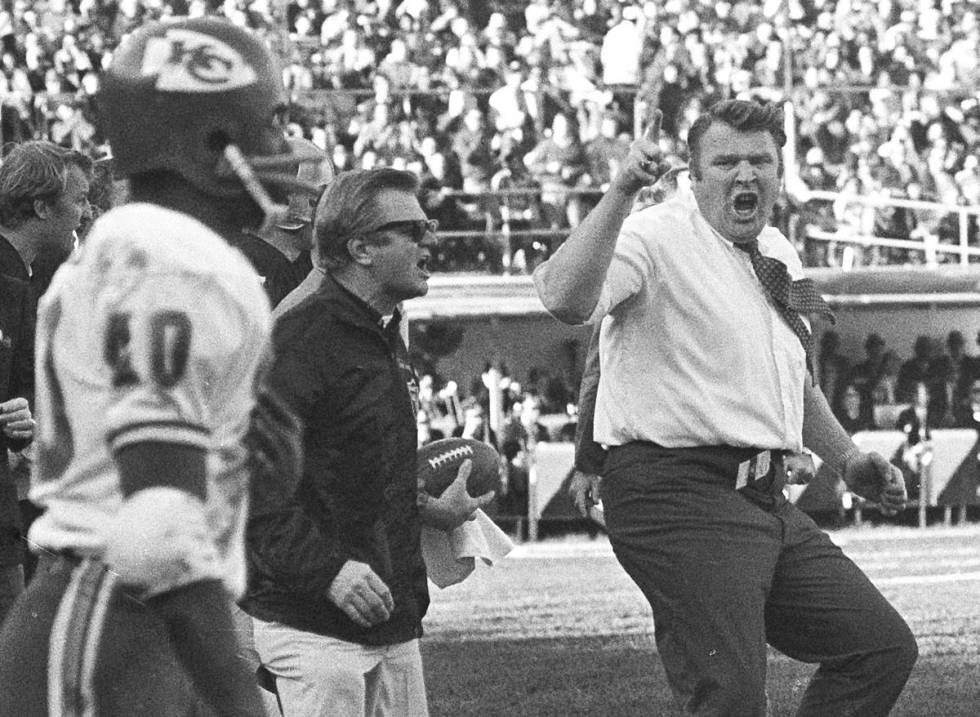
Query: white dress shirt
x: 692, y: 352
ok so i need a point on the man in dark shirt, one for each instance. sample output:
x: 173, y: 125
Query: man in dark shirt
x: 16, y: 425
x: 43, y: 201
x: 338, y: 586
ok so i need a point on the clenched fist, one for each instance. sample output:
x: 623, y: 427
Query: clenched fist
x: 872, y: 477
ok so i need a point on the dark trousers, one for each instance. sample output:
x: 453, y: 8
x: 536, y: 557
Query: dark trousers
x: 96, y: 646
x: 727, y: 572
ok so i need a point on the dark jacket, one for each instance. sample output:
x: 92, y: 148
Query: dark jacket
x: 349, y: 381
x: 42, y: 271
x: 279, y: 274
x: 16, y: 381
x: 11, y: 263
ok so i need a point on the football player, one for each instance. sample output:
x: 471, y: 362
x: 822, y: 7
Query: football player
x: 150, y: 345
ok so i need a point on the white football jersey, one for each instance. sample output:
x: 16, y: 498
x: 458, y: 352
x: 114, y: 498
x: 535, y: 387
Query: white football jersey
x: 155, y: 331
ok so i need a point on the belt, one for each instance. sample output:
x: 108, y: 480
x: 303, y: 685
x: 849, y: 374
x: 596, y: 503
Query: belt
x: 757, y: 473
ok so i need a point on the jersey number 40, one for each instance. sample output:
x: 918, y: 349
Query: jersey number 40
x: 170, y: 345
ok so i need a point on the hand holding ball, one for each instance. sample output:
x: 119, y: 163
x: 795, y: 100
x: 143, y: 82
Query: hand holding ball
x: 460, y: 475
x: 439, y: 463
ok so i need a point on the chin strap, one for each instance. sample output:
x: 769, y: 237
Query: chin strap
x: 273, y: 212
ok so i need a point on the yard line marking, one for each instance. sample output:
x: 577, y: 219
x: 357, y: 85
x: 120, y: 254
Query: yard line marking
x: 933, y: 532
x: 851, y: 539
x: 930, y: 579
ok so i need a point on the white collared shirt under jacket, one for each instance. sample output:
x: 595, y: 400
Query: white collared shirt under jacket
x: 692, y: 351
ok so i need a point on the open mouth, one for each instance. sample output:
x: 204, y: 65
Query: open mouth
x: 745, y: 204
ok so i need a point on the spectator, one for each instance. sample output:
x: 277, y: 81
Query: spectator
x: 621, y: 47
x: 534, y: 431
x: 832, y: 367
x: 919, y: 368
x: 865, y: 374
x: 520, y: 212
x: 509, y: 107
x: 950, y: 372
x: 605, y: 152
x: 972, y: 367
x: 884, y: 392
x: 849, y: 411
x: 558, y: 163
x: 475, y: 423
x: 426, y: 432
x: 968, y: 410
x: 916, y: 422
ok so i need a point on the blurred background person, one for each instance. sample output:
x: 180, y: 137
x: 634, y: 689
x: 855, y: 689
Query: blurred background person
x: 17, y: 318
x: 866, y: 373
x: 950, y: 373
x: 853, y: 416
x: 44, y: 192
x: 916, y: 422
x: 833, y: 367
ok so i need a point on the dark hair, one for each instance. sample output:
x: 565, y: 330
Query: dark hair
x: 743, y: 115
x: 873, y: 339
x: 346, y: 208
x: 35, y: 171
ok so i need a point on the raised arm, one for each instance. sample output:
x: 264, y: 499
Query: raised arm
x: 570, y: 282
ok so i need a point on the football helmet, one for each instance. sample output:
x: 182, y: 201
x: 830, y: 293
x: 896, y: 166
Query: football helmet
x: 203, y: 98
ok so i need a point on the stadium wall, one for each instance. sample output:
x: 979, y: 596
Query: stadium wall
x: 502, y: 321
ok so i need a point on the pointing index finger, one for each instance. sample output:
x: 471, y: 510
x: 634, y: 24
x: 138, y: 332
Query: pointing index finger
x: 652, y: 132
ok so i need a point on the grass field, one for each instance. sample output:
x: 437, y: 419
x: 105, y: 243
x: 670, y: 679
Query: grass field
x: 558, y: 630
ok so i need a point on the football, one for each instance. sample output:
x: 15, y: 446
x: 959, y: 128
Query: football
x: 439, y: 463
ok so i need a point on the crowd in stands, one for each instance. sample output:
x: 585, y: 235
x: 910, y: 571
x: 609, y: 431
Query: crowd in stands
x: 939, y: 381
x: 936, y: 387
x: 501, y: 97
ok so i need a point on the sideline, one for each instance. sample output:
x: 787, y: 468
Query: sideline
x: 582, y: 546
x: 927, y: 579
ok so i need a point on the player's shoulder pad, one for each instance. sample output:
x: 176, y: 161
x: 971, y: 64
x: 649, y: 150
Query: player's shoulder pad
x: 143, y: 236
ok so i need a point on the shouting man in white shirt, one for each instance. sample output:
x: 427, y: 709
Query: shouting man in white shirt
x: 705, y: 386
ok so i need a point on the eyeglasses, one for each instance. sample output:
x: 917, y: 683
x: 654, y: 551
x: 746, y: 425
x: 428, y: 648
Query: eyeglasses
x: 415, y: 229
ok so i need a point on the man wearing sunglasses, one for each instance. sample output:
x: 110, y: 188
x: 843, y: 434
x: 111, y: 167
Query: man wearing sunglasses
x: 338, y: 587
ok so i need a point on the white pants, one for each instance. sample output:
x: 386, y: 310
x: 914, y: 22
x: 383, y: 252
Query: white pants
x: 247, y: 653
x: 319, y: 676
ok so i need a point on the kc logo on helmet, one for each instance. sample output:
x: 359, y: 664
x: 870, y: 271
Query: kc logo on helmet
x: 188, y: 61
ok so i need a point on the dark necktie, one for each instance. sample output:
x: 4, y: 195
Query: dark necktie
x: 790, y: 297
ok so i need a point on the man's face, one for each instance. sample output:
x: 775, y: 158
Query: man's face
x: 401, y: 256
x: 738, y: 180
x: 65, y: 214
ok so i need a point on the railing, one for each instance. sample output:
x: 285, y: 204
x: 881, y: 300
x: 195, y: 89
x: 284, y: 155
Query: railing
x: 498, y: 234
x: 929, y: 245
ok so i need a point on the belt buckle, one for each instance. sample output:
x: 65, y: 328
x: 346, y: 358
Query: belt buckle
x: 753, y: 469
